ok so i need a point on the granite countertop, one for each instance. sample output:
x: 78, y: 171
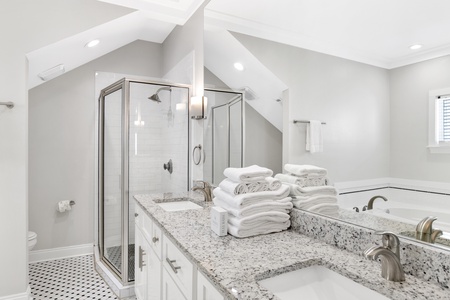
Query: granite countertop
x: 235, y: 265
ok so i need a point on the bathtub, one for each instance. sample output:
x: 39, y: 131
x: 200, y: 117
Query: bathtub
x: 414, y: 215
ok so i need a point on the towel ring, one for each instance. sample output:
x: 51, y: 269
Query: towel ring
x: 199, y: 147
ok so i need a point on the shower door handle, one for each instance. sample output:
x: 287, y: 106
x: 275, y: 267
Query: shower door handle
x: 141, y: 260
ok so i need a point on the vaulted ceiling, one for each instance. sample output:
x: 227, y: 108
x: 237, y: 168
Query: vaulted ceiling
x: 376, y: 32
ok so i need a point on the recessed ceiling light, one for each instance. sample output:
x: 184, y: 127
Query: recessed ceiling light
x: 238, y: 66
x: 415, y: 47
x: 92, y: 43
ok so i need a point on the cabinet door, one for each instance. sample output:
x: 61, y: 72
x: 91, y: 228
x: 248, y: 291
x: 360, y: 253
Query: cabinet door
x: 179, y: 268
x: 154, y: 274
x: 140, y: 265
x: 205, y: 290
x: 170, y: 290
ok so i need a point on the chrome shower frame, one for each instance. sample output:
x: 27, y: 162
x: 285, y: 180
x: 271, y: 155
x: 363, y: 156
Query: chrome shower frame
x: 124, y: 84
x: 238, y: 98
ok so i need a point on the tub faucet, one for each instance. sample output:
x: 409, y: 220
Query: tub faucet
x: 205, y: 188
x: 370, y: 204
x: 425, y: 231
x: 389, y: 252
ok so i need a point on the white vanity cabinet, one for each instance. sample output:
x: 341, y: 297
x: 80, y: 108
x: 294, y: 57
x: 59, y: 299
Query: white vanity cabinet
x: 162, y: 271
x: 179, y: 268
x: 141, y: 248
x: 148, y: 267
x: 205, y: 290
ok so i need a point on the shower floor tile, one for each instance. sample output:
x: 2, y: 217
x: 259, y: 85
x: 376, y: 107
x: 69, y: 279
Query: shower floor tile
x: 69, y: 278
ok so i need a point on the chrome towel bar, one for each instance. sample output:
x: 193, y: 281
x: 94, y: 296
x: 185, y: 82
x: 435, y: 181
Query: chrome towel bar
x: 305, y: 121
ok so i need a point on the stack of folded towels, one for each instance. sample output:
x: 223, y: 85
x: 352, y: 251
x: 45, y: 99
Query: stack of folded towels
x: 256, y: 202
x: 309, y: 189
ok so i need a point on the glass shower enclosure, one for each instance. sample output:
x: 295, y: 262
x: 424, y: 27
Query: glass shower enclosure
x: 142, y: 126
x: 223, y: 133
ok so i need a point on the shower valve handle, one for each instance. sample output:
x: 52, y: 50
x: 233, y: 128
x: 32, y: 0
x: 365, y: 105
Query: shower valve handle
x: 168, y: 166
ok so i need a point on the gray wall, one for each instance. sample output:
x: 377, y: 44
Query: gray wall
x: 352, y: 98
x: 410, y: 85
x: 61, y: 144
x: 263, y: 142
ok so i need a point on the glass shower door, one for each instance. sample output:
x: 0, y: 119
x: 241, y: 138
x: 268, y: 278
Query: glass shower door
x: 111, y: 240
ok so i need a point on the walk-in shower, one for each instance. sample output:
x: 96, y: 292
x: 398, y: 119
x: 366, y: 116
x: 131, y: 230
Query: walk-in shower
x: 223, y: 133
x: 136, y: 140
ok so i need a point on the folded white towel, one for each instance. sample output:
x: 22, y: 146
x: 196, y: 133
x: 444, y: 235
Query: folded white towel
x: 247, y: 174
x: 259, y: 219
x: 325, y: 209
x: 273, y: 183
x: 296, y: 190
x: 235, y: 188
x: 284, y: 205
x: 243, y: 200
x: 257, y: 186
x: 302, y: 181
x: 314, y: 139
x: 305, y: 170
x: 314, y: 200
x: 269, y: 227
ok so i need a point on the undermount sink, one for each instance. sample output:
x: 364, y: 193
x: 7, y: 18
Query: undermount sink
x: 317, y: 283
x: 177, y: 204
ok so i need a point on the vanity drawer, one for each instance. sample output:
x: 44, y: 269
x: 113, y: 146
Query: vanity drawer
x: 179, y: 268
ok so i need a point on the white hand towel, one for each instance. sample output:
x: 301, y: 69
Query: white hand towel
x: 235, y: 188
x: 269, y: 227
x: 273, y: 183
x: 240, y: 201
x: 312, y: 201
x: 284, y: 205
x: 305, y: 170
x: 302, y: 181
x: 312, y: 190
x: 252, y: 173
x: 259, y: 219
x: 314, y: 139
x: 254, y: 187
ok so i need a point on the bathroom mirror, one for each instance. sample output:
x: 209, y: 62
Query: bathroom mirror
x: 368, y: 132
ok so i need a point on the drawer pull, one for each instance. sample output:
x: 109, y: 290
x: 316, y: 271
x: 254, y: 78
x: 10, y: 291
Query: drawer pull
x: 155, y: 239
x: 136, y: 215
x: 174, y: 268
x: 141, y: 261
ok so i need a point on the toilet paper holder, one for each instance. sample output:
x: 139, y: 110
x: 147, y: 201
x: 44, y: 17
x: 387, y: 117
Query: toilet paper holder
x: 65, y: 205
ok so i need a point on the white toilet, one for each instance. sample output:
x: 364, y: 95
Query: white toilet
x: 32, y: 239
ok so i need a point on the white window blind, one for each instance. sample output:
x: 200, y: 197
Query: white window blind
x: 443, y: 109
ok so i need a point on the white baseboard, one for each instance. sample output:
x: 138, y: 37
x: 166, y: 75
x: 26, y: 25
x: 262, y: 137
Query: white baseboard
x: 21, y: 296
x: 58, y: 253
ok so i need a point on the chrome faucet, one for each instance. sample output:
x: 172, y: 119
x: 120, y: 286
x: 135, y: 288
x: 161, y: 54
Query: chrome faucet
x: 370, y: 204
x: 425, y: 231
x: 206, y: 189
x: 389, y: 253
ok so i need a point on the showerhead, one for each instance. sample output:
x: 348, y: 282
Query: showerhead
x: 155, y: 96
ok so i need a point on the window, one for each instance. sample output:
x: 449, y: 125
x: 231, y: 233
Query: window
x: 439, y: 121
x: 443, y: 117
